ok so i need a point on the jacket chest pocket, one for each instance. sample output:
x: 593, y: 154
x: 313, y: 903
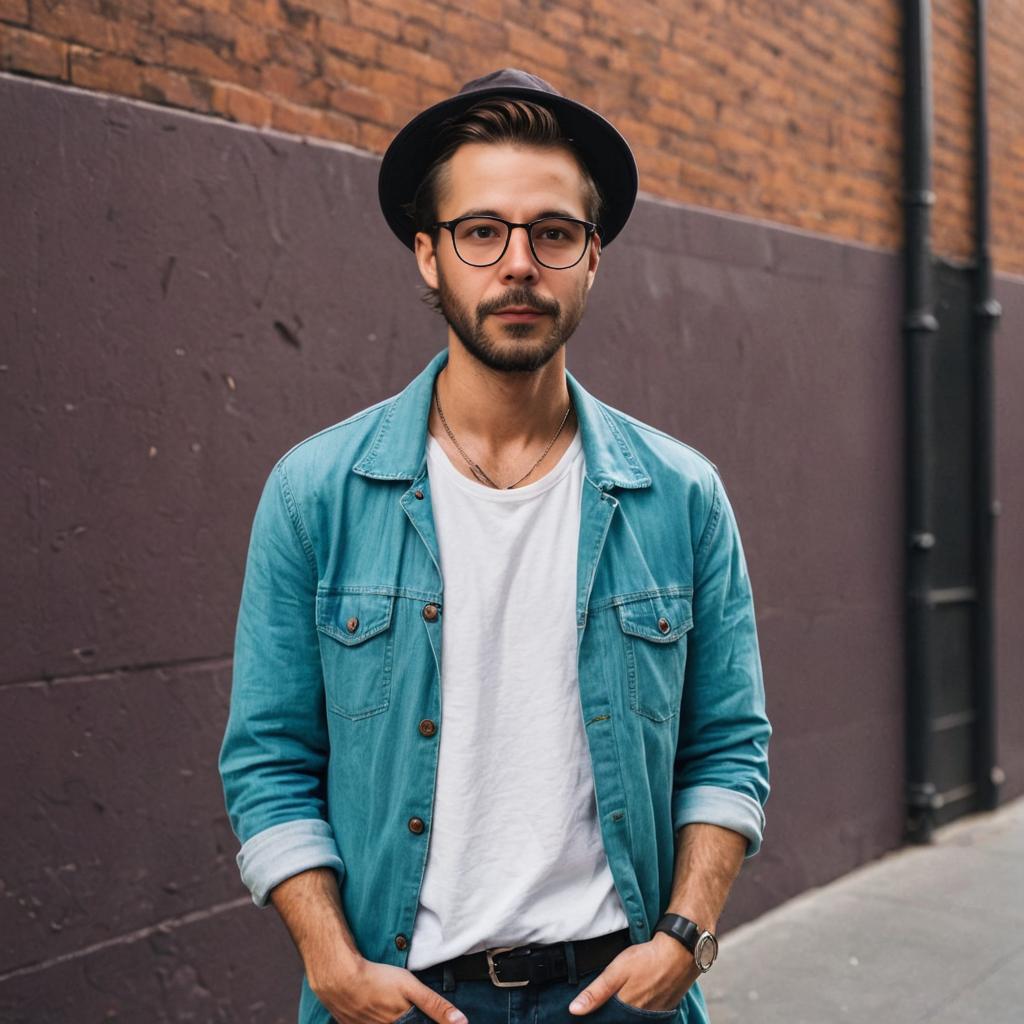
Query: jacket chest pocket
x: 357, y: 651
x: 653, y: 626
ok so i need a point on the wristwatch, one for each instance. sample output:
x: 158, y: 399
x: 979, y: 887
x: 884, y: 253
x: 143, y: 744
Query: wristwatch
x: 701, y: 943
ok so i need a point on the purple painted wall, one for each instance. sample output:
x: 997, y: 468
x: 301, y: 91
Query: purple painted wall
x: 181, y: 300
x: 1008, y: 387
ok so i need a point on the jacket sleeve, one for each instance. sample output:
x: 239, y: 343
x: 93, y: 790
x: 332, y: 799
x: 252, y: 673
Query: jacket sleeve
x: 275, y: 749
x: 721, y: 764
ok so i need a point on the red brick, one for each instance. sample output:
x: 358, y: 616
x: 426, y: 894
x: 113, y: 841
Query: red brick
x: 345, y: 39
x: 364, y: 14
x: 240, y: 104
x: 74, y: 24
x: 467, y: 31
x: 281, y: 81
x: 490, y: 10
x: 639, y: 18
x: 607, y: 55
x: 92, y: 70
x: 251, y: 44
x: 339, y: 71
x: 138, y: 42
x: 676, y: 117
x: 429, y: 13
x: 32, y: 53
x: 190, y: 56
x: 294, y: 52
x: 360, y: 104
x: 427, y: 95
x: 138, y: 11
x: 339, y: 128
x: 535, y: 48
x: 417, y: 35
x: 388, y: 83
x: 702, y: 107
x: 171, y: 16
x: 373, y: 137
x: 638, y: 132
x: 14, y: 11
x: 171, y: 88
x: 324, y: 124
x: 420, y: 65
x: 657, y: 163
x: 564, y: 26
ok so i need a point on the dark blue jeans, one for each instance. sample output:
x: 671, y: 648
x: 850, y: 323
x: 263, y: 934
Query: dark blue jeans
x: 538, y: 1003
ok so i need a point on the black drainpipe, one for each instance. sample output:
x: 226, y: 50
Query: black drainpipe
x: 986, y: 313
x: 919, y: 327
x: 919, y: 330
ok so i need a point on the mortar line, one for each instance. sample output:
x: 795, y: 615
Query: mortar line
x: 114, y: 670
x: 164, y: 926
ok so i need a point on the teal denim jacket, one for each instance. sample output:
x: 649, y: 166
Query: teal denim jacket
x: 331, y: 745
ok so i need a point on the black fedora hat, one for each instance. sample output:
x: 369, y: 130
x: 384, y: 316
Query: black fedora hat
x: 605, y: 152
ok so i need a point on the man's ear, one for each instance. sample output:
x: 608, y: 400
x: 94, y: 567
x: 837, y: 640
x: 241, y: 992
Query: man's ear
x: 426, y: 258
x: 593, y: 258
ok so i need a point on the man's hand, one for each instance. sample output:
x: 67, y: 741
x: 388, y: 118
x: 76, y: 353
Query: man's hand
x: 371, y: 993
x: 652, y: 975
x: 354, y: 989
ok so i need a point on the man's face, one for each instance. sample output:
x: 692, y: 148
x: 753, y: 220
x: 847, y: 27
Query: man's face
x: 518, y: 183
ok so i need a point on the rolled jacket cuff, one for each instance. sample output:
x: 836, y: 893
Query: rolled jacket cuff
x: 716, y: 805
x: 278, y: 852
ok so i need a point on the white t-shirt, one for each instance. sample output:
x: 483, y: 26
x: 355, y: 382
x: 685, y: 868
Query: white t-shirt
x: 515, y: 852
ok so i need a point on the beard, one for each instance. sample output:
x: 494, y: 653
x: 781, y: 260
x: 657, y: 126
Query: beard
x: 532, y: 344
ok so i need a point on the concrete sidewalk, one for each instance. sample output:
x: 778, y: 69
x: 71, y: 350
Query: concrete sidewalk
x: 927, y: 933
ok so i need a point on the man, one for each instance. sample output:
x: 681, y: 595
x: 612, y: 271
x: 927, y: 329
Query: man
x: 553, y: 811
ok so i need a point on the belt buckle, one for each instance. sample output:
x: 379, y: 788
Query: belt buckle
x: 491, y: 953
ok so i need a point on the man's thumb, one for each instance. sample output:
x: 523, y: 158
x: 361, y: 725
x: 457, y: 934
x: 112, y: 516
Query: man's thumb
x: 591, y: 997
x: 440, y: 1009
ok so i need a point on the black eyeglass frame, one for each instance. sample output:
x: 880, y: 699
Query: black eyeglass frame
x: 589, y: 227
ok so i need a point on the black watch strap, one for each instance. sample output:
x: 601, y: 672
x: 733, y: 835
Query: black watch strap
x: 685, y: 930
x: 702, y: 944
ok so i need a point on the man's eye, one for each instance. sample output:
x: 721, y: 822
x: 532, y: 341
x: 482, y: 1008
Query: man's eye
x: 480, y: 231
x: 554, y: 234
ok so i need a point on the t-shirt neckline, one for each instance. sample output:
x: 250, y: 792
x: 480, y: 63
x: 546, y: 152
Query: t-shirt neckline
x: 438, y: 456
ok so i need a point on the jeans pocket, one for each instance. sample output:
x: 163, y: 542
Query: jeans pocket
x: 409, y: 1015
x: 640, y: 1011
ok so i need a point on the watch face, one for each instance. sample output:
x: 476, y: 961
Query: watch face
x: 705, y: 951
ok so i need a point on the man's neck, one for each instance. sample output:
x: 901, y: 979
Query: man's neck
x: 502, y: 420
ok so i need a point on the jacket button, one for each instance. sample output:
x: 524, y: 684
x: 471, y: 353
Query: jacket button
x: 663, y: 625
x: 419, y: 494
x: 352, y: 624
x: 430, y: 612
x: 416, y: 825
x: 427, y: 727
x: 401, y: 941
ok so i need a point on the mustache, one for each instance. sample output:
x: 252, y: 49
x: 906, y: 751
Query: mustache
x: 518, y: 297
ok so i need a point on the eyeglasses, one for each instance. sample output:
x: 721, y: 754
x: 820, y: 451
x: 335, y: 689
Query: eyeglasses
x: 556, y: 242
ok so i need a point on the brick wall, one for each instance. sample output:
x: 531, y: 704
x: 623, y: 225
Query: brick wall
x: 952, y: 170
x: 1006, y: 125
x: 783, y: 110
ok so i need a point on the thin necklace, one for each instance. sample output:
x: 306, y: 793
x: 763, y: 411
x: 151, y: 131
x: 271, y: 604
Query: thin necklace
x: 477, y: 471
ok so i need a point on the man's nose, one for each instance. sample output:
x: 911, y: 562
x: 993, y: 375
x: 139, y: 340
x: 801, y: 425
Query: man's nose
x: 519, y: 261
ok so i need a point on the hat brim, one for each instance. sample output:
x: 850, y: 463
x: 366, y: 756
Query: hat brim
x: 605, y: 152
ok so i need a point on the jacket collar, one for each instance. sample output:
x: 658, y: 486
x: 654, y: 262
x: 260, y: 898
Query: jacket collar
x: 398, y: 448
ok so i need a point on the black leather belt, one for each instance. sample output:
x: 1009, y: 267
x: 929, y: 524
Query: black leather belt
x: 511, y: 966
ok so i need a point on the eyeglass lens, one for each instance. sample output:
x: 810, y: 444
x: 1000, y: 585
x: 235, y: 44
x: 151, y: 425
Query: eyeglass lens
x: 557, y: 243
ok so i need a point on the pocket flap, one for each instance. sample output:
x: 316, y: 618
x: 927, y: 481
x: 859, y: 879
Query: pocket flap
x: 353, y: 618
x: 656, y: 616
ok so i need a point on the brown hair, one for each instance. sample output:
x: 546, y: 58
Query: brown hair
x: 493, y: 120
